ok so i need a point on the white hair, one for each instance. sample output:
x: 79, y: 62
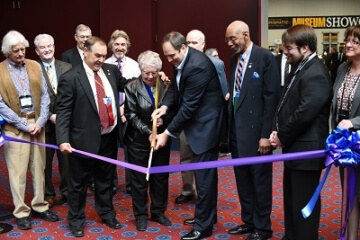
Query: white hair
x: 10, y: 39
x: 43, y: 35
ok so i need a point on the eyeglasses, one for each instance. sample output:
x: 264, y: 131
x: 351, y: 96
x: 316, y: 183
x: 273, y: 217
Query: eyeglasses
x: 289, y: 48
x: 17, y: 51
x: 352, y: 42
x: 154, y: 74
x: 231, y: 39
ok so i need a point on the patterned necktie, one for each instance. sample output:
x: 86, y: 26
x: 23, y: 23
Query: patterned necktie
x: 239, y: 74
x: 100, y: 93
x: 119, y: 64
x: 50, y: 75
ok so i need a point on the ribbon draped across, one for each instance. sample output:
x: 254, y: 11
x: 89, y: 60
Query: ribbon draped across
x: 342, y: 147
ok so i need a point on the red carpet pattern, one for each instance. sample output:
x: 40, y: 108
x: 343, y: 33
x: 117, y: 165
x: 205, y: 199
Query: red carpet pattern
x: 228, y: 210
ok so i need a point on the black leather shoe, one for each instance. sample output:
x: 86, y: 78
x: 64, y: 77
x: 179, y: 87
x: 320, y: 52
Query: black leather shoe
x: 183, y: 199
x: 114, y: 190
x: 77, y: 231
x: 194, y: 235
x: 191, y: 221
x: 160, y: 218
x: 258, y: 236
x: 141, y: 225
x: 242, y: 229
x: 112, y: 223
x: 23, y: 223
x: 48, y: 216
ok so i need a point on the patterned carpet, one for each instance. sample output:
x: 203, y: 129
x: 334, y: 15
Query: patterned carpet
x: 228, y: 210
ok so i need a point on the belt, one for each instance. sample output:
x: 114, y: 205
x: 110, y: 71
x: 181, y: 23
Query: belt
x: 28, y: 115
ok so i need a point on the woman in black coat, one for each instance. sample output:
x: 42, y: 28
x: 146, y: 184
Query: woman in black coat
x: 139, y: 105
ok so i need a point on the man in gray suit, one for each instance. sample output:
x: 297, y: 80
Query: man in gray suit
x: 52, y: 69
x: 196, y: 39
x: 254, y: 94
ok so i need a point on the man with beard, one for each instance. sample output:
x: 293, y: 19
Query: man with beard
x: 302, y: 124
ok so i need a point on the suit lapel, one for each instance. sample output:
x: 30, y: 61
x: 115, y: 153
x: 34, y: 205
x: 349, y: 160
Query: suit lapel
x: 48, y: 83
x: 84, y: 82
x: 142, y: 90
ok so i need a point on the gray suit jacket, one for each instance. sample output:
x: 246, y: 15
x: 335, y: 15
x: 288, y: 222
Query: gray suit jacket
x: 220, y: 69
x: 60, y: 68
x: 355, y: 106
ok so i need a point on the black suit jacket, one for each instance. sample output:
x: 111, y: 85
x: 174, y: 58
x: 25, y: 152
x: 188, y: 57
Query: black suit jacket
x: 303, y: 115
x: 78, y: 120
x: 259, y: 96
x: 71, y: 56
x: 199, y: 103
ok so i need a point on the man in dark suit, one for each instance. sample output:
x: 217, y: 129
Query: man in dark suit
x: 196, y: 39
x: 302, y: 124
x: 88, y: 119
x: 196, y: 94
x: 254, y: 94
x: 75, y: 55
x: 52, y: 69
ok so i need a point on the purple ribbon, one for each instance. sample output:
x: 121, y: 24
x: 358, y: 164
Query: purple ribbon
x: 4, y: 138
x: 343, y: 148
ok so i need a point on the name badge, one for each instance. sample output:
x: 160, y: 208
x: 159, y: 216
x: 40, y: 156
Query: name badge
x: 107, y: 100
x: 25, y: 101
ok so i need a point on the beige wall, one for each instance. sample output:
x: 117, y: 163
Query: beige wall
x: 288, y: 8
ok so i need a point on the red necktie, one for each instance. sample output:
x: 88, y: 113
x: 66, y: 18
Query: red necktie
x: 100, y: 93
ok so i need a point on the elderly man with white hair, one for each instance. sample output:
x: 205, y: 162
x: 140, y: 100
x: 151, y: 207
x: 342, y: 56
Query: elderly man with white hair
x: 24, y: 105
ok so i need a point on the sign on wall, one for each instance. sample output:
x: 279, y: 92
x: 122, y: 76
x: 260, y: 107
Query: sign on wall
x: 314, y: 22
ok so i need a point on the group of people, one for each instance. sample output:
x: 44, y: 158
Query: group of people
x: 92, y: 103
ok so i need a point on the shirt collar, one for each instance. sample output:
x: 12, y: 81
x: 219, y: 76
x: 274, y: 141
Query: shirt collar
x: 181, y: 65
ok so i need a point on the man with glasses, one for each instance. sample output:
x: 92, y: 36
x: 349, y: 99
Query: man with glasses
x: 75, y: 55
x: 254, y: 93
x: 24, y: 105
x: 302, y: 124
x: 45, y: 49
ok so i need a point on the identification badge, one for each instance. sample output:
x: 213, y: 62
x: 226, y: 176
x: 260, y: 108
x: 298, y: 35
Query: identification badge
x: 25, y: 101
x: 107, y: 100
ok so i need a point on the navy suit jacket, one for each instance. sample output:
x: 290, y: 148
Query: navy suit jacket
x: 71, y: 56
x: 259, y: 96
x: 78, y: 121
x: 199, y: 103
